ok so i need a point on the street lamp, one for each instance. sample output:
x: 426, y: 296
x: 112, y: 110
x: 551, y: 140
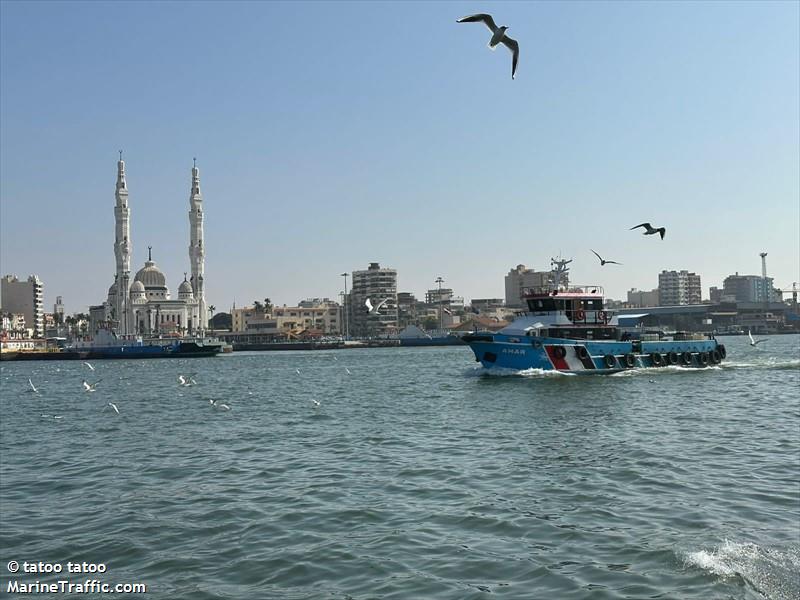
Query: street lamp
x: 440, y: 281
x: 344, y: 308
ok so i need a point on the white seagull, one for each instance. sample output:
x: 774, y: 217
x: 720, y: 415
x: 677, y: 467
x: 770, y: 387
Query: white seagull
x: 498, y: 36
x: 753, y: 342
x: 218, y: 405
x: 33, y: 387
x: 650, y: 230
x: 374, y: 309
x: 187, y: 380
x: 90, y: 387
x: 603, y: 262
x: 348, y: 371
x: 297, y: 371
x: 89, y: 365
x: 316, y: 402
x: 113, y: 406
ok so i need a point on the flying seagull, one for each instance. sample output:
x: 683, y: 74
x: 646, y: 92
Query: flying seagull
x: 651, y: 230
x: 187, y: 380
x: 90, y: 387
x: 316, y: 402
x: 113, y: 406
x: 33, y: 387
x: 89, y: 365
x: 374, y: 309
x: 753, y: 342
x: 498, y: 36
x: 217, y: 404
x: 603, y: 261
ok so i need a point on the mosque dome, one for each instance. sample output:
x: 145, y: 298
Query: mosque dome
x: 137, y: 287
x: 185, y: 288
x: 151, y: 276
x: 112, y: 291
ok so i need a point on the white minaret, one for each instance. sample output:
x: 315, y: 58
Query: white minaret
x: 196, y: 249
x: 122, y: 249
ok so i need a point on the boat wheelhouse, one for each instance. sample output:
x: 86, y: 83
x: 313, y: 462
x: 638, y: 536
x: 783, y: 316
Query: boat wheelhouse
x: 570, y: 330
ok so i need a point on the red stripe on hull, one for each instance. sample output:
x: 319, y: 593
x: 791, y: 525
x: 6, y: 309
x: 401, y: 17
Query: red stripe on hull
x: 558, y: 363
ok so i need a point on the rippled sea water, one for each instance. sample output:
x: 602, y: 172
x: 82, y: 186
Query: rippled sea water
x: 420, y: 475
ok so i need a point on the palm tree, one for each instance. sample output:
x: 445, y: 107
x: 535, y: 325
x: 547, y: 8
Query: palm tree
x: 258, y: 306
x: 211, y: 309
x: 267, y: 305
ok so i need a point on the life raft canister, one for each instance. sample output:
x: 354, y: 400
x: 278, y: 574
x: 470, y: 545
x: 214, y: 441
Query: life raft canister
x: 630, y: 360
x: 657, y: 359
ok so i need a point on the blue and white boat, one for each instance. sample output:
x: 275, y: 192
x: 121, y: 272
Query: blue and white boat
x: 568, y: 330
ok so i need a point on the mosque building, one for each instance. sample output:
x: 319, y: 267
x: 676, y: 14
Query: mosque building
x: 144, y: 306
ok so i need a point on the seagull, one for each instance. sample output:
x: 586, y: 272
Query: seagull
x: 89, y: 365
x: 33, y: 387
x: 498, y: 36
x: 316, y: 402
x: 187, y: 380
x: 374, y: 309
x: 602, y: 261
x: 297, y: 371
x: 90, y: 387
x: 348, y: 371
x: 753, y: 342
x: 112, y: 405
x: 218, y: 405
x: 651, y: 230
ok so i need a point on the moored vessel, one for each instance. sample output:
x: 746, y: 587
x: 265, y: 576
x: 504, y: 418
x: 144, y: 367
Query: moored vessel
x: 568, y: 330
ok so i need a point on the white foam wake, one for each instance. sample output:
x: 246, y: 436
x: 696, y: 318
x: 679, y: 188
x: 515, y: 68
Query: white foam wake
x: 774, y: 573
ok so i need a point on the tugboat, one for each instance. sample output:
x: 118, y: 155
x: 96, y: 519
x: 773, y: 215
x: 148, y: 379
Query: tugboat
x: 568, y: 330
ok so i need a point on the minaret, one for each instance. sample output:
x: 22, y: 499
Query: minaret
x: 122, y: 249
x: 196, y: 249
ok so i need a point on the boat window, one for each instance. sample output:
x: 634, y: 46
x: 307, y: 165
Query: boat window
x: 541, y: 304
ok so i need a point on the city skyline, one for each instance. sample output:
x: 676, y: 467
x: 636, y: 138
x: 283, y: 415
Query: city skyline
x: 322, y: 159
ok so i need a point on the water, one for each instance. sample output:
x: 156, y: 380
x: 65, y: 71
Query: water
x: 419, y: 476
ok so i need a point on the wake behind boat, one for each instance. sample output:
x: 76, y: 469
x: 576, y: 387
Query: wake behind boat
x: 568, y: 330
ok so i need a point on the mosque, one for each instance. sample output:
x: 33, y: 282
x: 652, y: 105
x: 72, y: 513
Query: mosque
x: 144, y: 306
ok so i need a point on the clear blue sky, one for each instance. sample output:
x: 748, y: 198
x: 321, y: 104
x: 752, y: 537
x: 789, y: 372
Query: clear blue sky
x: 333, y: 134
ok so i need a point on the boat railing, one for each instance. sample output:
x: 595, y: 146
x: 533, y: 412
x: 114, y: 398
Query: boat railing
x: 584, y: 290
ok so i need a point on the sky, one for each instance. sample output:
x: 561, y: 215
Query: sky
x: 334, y: 134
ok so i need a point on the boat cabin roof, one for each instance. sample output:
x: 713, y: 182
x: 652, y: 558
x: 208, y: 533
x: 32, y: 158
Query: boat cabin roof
x: 574, y: 291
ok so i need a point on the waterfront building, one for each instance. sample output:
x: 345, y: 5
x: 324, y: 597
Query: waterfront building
x: 144, y: 305
x: 640, y: 298
x: 479, y: 305
x: 58, y: 311
x: 407, y: 310
x: 678, y: 288
x: 377, y: 284
x: 320, y: 314
x: 520, y: 278
x: 750, y: 288
x: 24, y: 297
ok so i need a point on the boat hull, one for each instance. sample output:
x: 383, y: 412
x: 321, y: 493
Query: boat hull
x: 496, y: 351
